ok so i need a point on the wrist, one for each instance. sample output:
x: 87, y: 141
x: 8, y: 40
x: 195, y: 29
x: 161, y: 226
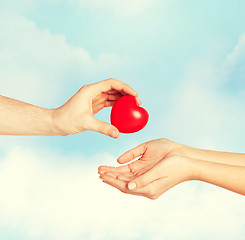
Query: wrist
x: 191, y: 168
x: 59, y: 123
x: 66, y: 123
x: 197, y: 168
x: 189, y: 152
x: 185, y: 168
x: 48, y: 125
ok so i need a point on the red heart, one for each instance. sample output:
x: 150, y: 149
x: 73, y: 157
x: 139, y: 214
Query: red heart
x: 127, y: 117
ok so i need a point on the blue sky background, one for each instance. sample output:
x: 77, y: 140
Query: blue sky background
x: 187, y: 61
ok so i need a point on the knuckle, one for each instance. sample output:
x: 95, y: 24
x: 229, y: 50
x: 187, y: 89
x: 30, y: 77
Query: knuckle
x: 165, y: 140
x: 85, y: 87
x: 106, y: 83
x: 108, y: 80
x: 111, y: 79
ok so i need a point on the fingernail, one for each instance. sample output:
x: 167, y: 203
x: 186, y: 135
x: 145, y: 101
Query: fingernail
x: 132, y: 186
x: 113, y: 133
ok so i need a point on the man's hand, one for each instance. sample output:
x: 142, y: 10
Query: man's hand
x: 77, y: 115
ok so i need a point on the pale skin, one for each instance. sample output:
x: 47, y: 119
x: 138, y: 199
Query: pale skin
x: 163, y: 164
x: 75, y: 116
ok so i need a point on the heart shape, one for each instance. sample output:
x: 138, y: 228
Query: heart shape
x: 127, y: 116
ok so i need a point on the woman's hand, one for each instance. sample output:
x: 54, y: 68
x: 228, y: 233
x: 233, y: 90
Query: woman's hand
x: 153, y: 174
x: 77, y: 115
x: 164, y: 164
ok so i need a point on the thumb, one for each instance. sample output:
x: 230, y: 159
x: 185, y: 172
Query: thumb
x: 143, y: 180
x: 103, y: 127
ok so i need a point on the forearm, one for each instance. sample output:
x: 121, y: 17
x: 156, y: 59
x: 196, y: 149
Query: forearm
x: 20, y: 118
x: 223, y: 175
x: 237, y: 159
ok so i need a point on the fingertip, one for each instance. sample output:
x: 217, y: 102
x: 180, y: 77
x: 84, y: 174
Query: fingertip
x: 117, y: 132
x: 138, y: 101
x: 126, y: 157
x: 132, y: 186
x: 102, y: 166
x: 101, y: 171
x: 117, y: 135
x: 120, y: 160
x: 114, y: 133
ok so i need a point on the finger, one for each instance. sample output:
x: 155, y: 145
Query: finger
x: 113, y: 97
x: 117, y: 183
x: 132, y: 154
x: 98, y: 107
x: 121, y: 169
x: 126, y: 177
x: 100, y: 97
x: 111, y: 174
x: 122, y: 186
x: 154, y: 189
x: 109, y: 103
x: 112, y: 92
x: 145, y: 179
x: 103, y: 127
x: 138, y: 101
x: 113, y: 84
x: 122, y: 176
x: 118, y: 174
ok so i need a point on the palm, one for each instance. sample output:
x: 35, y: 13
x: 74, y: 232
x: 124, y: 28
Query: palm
x: 151, y: 153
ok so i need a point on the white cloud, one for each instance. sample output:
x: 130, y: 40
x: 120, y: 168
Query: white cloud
x: 43, y: 69
x: 234, y: 68
x: 49, y: 196
x: 37, y: 66
x: 238, y: 52
x: 33, y: 62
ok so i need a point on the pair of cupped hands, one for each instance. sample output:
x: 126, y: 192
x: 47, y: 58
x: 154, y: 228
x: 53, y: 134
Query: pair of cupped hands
x: 160, y: 165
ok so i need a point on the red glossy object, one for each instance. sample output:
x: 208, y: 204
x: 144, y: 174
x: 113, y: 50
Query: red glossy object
x: 127, y: 116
